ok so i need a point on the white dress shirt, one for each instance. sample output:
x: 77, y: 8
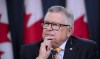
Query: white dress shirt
x: 61, y: 53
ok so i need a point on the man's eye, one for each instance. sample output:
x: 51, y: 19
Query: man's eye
x: 46, y: 23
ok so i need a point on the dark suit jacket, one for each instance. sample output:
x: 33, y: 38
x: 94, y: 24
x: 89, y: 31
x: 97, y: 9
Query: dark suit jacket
x: 81, y: 49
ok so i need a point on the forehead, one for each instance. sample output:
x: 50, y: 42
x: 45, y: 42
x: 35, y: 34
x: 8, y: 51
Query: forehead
x: 55, y: 17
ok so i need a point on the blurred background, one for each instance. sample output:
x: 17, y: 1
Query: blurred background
x: 20, y: 22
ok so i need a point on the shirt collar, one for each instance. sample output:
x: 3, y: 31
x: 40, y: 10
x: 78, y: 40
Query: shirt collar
x: 63, y: 45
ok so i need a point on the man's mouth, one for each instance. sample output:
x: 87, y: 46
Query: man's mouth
x: 51, y: 37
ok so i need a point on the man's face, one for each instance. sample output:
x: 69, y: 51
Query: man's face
x: 61, y: 33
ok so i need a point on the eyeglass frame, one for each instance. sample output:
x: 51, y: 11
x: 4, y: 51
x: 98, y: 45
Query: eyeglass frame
x: 52, y: 24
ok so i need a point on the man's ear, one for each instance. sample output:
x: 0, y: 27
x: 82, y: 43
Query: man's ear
x: 71, y: 30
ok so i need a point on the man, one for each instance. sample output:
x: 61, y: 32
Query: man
x: 58, y: 26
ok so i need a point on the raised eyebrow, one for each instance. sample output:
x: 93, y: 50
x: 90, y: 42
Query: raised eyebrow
x: 50, y: 22
x: 46, y: 22
x: 56, y: 23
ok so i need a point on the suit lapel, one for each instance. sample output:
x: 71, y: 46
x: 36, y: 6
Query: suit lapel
x: 70, y: 49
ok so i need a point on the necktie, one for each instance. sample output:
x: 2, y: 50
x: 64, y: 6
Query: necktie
x: 55, y: 52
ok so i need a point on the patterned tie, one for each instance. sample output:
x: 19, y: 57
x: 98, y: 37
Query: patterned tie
x: 55, y: 52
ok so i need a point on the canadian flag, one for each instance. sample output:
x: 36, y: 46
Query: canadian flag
x: 5, y: 39
x: 77, y: 7
x: 32, y: 21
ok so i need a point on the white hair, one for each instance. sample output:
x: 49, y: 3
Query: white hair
x: 68, y: 14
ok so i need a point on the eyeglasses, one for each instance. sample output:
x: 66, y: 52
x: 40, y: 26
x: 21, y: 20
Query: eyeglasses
x: 54, y: 26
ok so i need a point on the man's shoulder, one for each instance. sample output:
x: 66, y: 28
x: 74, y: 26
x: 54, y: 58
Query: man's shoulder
x: 31, y: 46
x: 30, y: 50
x: 86, y: 41
x: 83, y: 41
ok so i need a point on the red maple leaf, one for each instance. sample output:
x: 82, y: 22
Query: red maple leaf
x: 4, y: 29
x: 81, y: 28
x: 1, y: 54
x: 32, y: 33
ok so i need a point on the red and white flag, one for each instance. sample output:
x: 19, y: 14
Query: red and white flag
x: 32, y: 19
x: 5, y: 39
x: 77, y: 7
